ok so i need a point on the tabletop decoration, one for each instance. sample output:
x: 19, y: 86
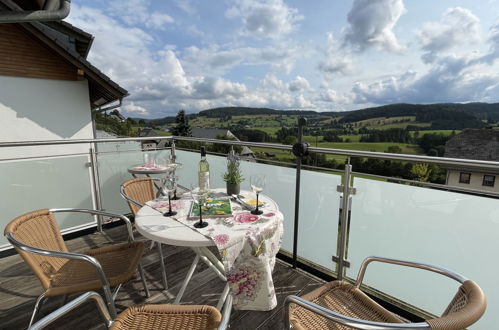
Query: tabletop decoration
x: 248, y: 244
x: 233, y: 176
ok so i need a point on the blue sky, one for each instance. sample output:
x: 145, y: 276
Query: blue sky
x: 319, y: 55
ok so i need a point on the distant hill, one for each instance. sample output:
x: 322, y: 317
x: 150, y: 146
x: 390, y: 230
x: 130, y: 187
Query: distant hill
x: 245, y: 111
x: 440, y: 115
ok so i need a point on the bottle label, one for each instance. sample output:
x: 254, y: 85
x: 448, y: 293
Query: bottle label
x: 204, y: 180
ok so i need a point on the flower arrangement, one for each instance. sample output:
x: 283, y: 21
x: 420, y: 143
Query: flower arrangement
x: 233, y: 174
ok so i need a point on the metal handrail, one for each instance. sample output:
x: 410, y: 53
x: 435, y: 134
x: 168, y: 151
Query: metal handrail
x: 330, y: 151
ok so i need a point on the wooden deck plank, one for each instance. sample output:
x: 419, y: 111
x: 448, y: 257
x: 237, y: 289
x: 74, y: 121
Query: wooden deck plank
x: 19, y: 288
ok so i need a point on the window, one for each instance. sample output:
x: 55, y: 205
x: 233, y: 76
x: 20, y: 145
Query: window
x: 488, y: 180
x: 464, y: 177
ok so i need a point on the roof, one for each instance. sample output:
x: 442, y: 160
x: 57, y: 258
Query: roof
x: 147, y: 131
x: 213, y: 133
x: 210, y: 133
x: 479, y: 144
x: 73, y: 45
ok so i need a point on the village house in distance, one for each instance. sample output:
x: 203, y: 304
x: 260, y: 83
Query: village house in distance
x: 479, y: 144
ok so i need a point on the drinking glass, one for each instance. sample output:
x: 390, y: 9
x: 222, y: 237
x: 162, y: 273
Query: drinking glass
x: 168, y: 185
x: 257, y: 183
x: 199, y: 196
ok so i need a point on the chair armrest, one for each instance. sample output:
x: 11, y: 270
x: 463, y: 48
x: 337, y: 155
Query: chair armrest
x: 80, y: 300
x: 345, y: 320
x: 405, y: 263
x: 103, y: 213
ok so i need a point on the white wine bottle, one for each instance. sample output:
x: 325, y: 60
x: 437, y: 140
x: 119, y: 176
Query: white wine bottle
x: 204, y: 172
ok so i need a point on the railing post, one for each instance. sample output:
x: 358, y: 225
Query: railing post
x: 96, y: 186
x: 299, y: 150
x: 347, y: 191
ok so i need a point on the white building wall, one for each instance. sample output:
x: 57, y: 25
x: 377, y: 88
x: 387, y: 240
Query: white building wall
x: 43, y: 109
x: 476, y: 181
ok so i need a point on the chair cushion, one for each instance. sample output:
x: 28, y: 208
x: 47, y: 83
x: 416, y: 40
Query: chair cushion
x: 343, y: 298
x: 119, y: 261
x: 168, y: 317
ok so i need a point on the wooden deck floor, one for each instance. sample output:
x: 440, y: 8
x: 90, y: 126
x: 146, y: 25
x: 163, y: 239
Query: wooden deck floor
x: 19, y: 288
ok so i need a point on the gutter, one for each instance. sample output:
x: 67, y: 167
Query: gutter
x: 47, y: 14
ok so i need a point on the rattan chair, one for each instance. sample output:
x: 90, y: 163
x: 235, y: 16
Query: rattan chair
x: 137, y: 192
x: 341, y: 305
x: 37, y: 238
x: 149, y: 317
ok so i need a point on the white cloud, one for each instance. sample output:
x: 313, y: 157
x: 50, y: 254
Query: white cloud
x: 371, y: 23
x: 336, y: 59
x: 299, y: 84
x: 134, y: 109
x: 138, y: 12
x: 186, y: 6
x: 451, y: 79
x: 218, y: 59
x: 457, y: 26
x: 158, y: 21
x: 265, y: 18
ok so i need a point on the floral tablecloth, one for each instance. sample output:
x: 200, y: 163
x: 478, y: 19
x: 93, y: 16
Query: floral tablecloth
x: 248, y: 245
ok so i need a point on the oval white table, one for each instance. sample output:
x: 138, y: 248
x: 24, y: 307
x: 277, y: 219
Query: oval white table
x: 165, y: 230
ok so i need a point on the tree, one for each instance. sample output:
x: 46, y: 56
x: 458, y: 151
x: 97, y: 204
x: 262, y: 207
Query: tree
x: 182, y: 127
x: 290, y: 139
x: 420, y: 172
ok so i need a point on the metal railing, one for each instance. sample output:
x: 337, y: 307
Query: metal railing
x: 346, y: 190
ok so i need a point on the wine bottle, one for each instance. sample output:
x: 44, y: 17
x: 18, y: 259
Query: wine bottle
x: 204, y: 172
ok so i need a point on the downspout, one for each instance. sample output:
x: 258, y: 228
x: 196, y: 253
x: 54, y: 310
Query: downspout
x: 38, y: 15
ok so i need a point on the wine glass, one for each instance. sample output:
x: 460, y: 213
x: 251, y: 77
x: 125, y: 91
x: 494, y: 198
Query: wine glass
x: 168, y: 185
x: 199, y: 196
x: 257, y: 183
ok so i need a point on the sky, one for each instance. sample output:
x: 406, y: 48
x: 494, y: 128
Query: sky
x: 321, y: 55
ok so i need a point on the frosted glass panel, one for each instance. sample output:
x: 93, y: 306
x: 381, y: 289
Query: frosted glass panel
x: 318, y: 226
x: 113, y: 171
x: 45, y: 183
x: 452, y: 230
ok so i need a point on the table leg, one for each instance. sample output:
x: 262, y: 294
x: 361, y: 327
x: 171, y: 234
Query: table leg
x: 223, y: 297
x: 162, y: 264
x: 187, y: 279
x: 206, y: 259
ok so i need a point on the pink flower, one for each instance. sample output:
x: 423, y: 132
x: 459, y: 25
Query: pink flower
x: 211, y: 230
x: 221, y: 239
x: 270, y: 214
x: 245, y: 217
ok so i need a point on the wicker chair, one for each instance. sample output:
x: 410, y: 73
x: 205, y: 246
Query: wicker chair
x: 149, y: 317
x: 37, y: 238
x: 341, y: 305
x: 137, y: 192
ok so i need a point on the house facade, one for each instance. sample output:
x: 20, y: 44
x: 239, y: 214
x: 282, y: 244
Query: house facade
x: 479, y: 144
x: 48, y: 91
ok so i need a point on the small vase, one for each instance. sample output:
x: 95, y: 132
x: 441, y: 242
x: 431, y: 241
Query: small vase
x: 233, y: 188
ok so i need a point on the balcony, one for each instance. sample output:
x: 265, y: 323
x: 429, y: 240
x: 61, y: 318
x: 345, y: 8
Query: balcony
x: 430, y: 223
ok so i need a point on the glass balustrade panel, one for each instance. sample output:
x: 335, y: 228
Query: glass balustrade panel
x: 453, y: 230
x: 55, y: 182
